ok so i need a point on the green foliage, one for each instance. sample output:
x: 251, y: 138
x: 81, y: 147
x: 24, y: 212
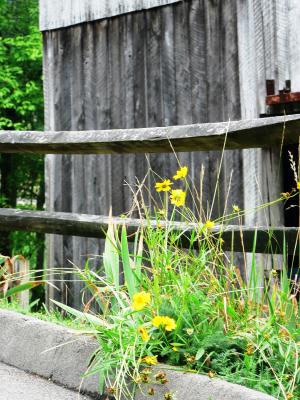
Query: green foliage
x: 21, y: 108
x: 190, y: 309
x: 21, y: 98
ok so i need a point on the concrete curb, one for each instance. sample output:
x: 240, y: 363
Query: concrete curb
x: 24, y: 341
x: 197, y: 387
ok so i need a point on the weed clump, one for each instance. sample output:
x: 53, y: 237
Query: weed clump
x: 172, y: 295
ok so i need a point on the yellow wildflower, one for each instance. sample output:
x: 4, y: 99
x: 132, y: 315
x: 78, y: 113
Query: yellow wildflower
x: 250, y: 350
x: 150, y: 360
x: 236, y: 208
x: 178, y: 197
x: 175, y: 349
x: 181, y: 173
x: 209, y: 224
x: 157, y: 321
x: 144, y: 334
x: 168, y: 323
x: 298, y: 185
x: 140, y: 300
x: 164, y: 186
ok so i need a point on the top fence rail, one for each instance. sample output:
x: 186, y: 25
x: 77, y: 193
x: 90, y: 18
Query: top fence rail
x: 263, y: 132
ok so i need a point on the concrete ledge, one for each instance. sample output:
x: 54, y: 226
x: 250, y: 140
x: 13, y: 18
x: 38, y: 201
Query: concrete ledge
x: 197, y: 387
x: 24, y: 341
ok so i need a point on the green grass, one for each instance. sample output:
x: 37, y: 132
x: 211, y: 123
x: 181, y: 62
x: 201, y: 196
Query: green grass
x: 243, y: 331
x: 44, y: 314
x: 161, y: 302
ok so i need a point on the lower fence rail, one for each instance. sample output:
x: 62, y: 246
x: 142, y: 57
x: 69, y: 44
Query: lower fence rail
x: 236, y: 238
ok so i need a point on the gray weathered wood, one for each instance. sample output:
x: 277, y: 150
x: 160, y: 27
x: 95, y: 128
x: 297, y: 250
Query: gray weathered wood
x: 269, y: 239
x: 268, y: 49
x: 198, y: 137
x: 193, y: 61
x: 56, y: 14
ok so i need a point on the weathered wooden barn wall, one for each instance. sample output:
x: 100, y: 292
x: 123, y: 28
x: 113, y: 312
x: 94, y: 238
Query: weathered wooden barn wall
x: 55, y: 14
x: 191, y: 61
x: 269, y: 48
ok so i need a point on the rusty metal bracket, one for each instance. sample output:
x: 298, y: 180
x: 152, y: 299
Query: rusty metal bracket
x: 285, y: 102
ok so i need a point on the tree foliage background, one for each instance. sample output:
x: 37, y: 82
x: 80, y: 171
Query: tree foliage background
x: 21, y: 108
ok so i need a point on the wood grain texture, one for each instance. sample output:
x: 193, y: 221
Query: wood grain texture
x: 145, y: 69
x: 243, y: 134
x: 186, y: 63
x: 267, y: 33
x: 56, y: 14
x: 269, y: 239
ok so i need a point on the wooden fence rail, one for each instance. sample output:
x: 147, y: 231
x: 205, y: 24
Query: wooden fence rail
x: 267, y: 132
x: 263, y: 132
x: 236, y: 238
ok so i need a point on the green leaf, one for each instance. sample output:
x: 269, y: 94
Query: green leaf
x: 111, y: 258
x: 199, y: 354
x: 130, y: 279
x: 88, y: 317
x: 23, y: 287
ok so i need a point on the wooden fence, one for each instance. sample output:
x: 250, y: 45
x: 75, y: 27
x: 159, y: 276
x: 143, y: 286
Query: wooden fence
x: 275, y: 131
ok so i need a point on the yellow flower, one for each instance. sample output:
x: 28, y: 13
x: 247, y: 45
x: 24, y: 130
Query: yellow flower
x: 168, y: 323
x: 175, y: 349
x: 144, y: 334
x: 298, y: 185
x: 164, y: 186
x: 209, y: 224
x: 140, y: 300
x: 150, y: 360
x: 250, y: 350
x: 181, y: 173
x: 178, y: 197
x: 157, y: 321
x: 236, y: 208
x: 211, y: 374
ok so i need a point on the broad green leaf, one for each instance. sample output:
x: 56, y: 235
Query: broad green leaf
x: 111, y: 258
x: 23, y: 287
x: 88, y: 317
x: 130, y: 279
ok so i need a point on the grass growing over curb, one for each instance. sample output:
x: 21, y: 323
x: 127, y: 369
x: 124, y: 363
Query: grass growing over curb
x: 53, y: 316
x: 162, y: 302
